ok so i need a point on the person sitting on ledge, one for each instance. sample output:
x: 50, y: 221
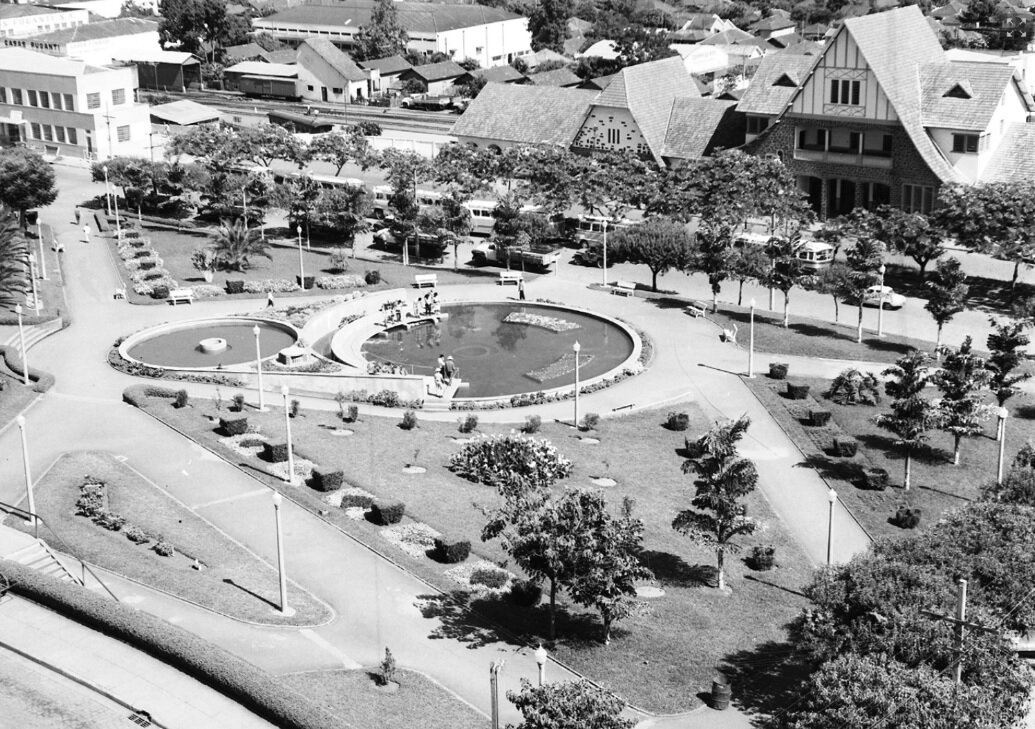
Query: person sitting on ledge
x: 729, y: 335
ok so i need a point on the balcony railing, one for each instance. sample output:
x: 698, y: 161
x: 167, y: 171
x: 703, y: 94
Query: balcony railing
x: 881, y: 160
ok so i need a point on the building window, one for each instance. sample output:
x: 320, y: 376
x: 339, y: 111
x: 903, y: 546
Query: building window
x: 123, y: 133
x: 45, y: 99
x: 16, y: 97
x: 614, y: 136
x: 965, y: 143
x: 33, y: 99
x: 917, y: 198
x: 59, y: 132
x: 336, y: 91
x: 57, y: 101
x: 310, y: 88
x: 118, y: 96
x: 72, y: 137
x: 48, y: 133
x: 844, y: 91
x: 93, y: 101
x: 69, y: 105
x: 3, y: 95
x: 812, y: 139
x: 35, y: 129
x: 757, y: 124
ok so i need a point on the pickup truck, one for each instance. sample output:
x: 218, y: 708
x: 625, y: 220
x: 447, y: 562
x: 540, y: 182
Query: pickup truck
x: 542, y: 256
x: 428, y: 246
x: 592, y: 255
x: 427, y: 103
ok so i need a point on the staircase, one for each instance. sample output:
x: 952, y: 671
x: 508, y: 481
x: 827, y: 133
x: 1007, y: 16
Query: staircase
x: 33, y: 334
x: 39, y: 556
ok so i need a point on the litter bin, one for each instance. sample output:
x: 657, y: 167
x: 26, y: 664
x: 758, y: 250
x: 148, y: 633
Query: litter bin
x: 720, y: 693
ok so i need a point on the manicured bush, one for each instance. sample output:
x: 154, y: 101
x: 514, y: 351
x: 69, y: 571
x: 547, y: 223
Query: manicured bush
x: 677, y: 421
x: 762, y: 558
x: 467, y: 423
x: 797, y: 392
x: 845, y: 447
x: 386, y: 514
x: 409, y: 420
x: 496, y: 459
x: 275, y: 452
x: 387, y: 670
x: 91, y: 500
x: 234, y: 426
x: 532, y: 424
x: 181, y: 399
x: 385, y: 398
x: 778, y: 370
x: 525, y: 593
x: 489, y: 577
x: 372, y: 277
x: 327, y: 480
x: 875, y: 479
x: 590, y: 421
x: 135, y: 534
x: 163, y: 549
x: 307, y: 282
x: 109, y: 520
x: 451, y: 551
x: 906, y: 518
x: 235, y: 287
x: 160, y: 292
x: 818, y: 418
x: 353, y: 414
x: 360, y: 501
x: 238, y: 402
x: 252, y: 442
x: 294, y: 409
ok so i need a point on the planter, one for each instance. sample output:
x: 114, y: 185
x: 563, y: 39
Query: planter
x: 207, y: 275
x: 875, y: 479
x: 235, y: 287
x: 906, y: 518
x: 306, y: 282
x: 818, y: 418
x: 160, y: 292
x: 797, y: 392
x: 721, y: 693
x: 845, y: 447
x: 778, y: 370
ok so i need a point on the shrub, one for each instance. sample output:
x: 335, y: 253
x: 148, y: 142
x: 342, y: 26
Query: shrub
x: 525, y: 593
x: 590, y: 421
x: 275, y: 452
x: 160, y: 292
x: 146, y: 265
x: 386, y: 514
x: 467, y: 423
x: 451, y: 551
x: 181, y: 399
x: 385, y: 398
x: 532, y: 424
x: 360, y: 501
x: 409, y: 421
x: 353, y: 415
x: 386, y: 670
x: 135, y: 534
x: 797, y: 392
x: 818, y: 418
x: 845, y: 447
x: 252, y: 442
x: 906, y: 518
x: 295, y: 409
x: 778, y: 370
x: 677, y: 421
x: 234, y: 426
x: 875, y: 479
x: 496, y: 459
x: 235, y: 287
x: 327, y: 480
x: 110, y: 520
x: 91, y: 500
x: 372, y: 277
x: 306, y: 283
x: 270, y: 285
x: 238, y: 402
x: 163, y: 549
x: 489, y: 577
x: 762, y: 558
x: 854, y: 386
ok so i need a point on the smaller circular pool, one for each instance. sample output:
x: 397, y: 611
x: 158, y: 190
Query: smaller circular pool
x: 190, y: 344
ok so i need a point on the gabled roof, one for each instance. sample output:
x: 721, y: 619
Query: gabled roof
x: 896, y: 44
x: 599, y: 83
x: 768, y: 94
x: 282, y: 55
x: 258, y: 68
x: 606, y: 49
x: 962, y: 95
x: 804, y: 48
x: 545, y: 55
x: 525, y: 114
x: 184, y: 112
x: 97, y: 31
x: 12, y: 10
x: 556, y: 77
x: 335, y: 58
x: 698, y: 127
x: 1014, y: 158
x: 388, y: 65
x: 246, y: 51
x: 442, y: 71
x: 773, y: 22
x: 500, y: 74
x: 726, y: 37
x: 783, y: 41
x: 647, y: 90
x: 702, y: 59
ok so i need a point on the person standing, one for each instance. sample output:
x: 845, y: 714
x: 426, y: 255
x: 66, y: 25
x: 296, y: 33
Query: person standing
x: 449, y: 370
x: 86, y: 233
x: 269, y: 300
x: 521, y: 289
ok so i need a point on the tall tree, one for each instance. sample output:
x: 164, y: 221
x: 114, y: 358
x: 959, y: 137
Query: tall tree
x: 26, y: 181
x: 911, y: 234
x: 835, y: 282
x: 265, y: 143
x: 568, y: 705
x: 548, y: 24
x: 961, y: 379
x: 338, y: 149
x: 1006, y: 343
x: 658, y: 243
x: 946, y: 293
x: 344, y: 210
x: 723, y: 480
x: 236, y: 244
x: 747, y: 263
x: 713, y: 256
x: 201, y: 27
x: 912, y: 415
x: 864, y: 260
x: 787, y: 270
x: 14, y: 259
x: 384, y: 35
x: 404, y: 171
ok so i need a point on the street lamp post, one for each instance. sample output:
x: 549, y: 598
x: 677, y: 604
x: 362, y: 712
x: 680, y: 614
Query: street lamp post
x: 540, y: 660
x: 32, y: 277
x: 880, y: 301
x: 290, y: 477
x: 28, y: 476
x: 832, y: 498
x: 751, y: 341
x: 43, y: 260
x: 277, y: 501
x: 494, y: 692
x: 605, y: 252
x: 258, y: 366
x: 21, y: 339
x: 1003, y: 414
x: 301, y: 265
x: 576, y: 348
x: 107, y: 191
x: 118, y: 224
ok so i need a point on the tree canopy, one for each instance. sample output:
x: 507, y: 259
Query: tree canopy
x: 657, y: 243
x: 26, y: 180
x: 384, y: 36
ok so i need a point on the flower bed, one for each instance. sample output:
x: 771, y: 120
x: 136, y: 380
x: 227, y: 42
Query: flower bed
x: 274, y: 285
x: 550, y: 323
x: 415, y: 539
x: 559, y: 368
x: 346, y: 281
x: 462, y: 576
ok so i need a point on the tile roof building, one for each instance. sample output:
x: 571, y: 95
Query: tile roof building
x: 556, y: 77
x: 18, y: 21
x: 95, y: 43
x: 326, y: 73
x: 883, y: 117
x: 699, y: 128
x: 507, y: 115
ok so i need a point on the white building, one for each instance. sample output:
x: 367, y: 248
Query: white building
x: 17, y: 21
x: 68, y: 107
x: 96, y: 43
x: 103, y: 8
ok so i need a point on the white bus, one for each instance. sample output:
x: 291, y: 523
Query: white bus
x: 590, y: 229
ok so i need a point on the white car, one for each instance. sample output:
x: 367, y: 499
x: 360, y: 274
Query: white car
x: 883, y: 296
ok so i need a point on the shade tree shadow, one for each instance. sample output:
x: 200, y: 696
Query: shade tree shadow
x: 829, y: 468
x: 928, y: 455
x: 764, y: 679
x: 672, y: 570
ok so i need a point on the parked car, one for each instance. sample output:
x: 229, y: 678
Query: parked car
x: 883, y: 296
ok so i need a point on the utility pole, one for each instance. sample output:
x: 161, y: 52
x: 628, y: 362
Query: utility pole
x: 960, y: 621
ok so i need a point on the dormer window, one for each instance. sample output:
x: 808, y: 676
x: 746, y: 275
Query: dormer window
x: 786, y: 81
x: 965, y: 143
x: 961, y: 90
x: 845, y: 91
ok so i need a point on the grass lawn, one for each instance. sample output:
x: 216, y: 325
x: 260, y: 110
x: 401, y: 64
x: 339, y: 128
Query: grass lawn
x: 659, y: 660
x: 359, y: 700
x: 937, y: 485
x: 232, y: 580
x: 14, y: 396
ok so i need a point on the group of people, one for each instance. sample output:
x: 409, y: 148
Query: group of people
x: 427, y: 305
x: 445, y: 371
x: 393, y: 311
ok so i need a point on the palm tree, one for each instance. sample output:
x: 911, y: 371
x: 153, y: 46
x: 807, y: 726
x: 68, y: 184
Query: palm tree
x: 235, y: 243
x: 14, y: 257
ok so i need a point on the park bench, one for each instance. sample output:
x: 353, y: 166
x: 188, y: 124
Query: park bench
x: 120, y: 292
x: 696, y: 309
x: 181, y: 296
x: 425, y: 279
x: 507, y: 277
x: 623, y: 288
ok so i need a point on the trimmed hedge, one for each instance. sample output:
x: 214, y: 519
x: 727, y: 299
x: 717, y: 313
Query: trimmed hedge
x: 845, y: 447
x: 41, y: 381
x: 234, y: 426
x: 818, y: 418
x: 906, y: 518
x: 387, y: 514
x: 327, y: 480
x: 677, y: 421
x: 778, y: 370
x: 361, y: 501
x: 797, y: 392
x: 451, y: 551
x: 875, y: 479
x: 235, y: 287
x: 275, y: 452
x: 238, y: 680
x: 525, y: 593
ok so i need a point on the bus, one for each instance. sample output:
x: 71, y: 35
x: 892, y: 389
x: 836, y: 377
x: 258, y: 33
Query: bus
x: 590, y: 228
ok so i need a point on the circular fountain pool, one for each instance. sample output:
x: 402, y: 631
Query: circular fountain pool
x: 208, y: 342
